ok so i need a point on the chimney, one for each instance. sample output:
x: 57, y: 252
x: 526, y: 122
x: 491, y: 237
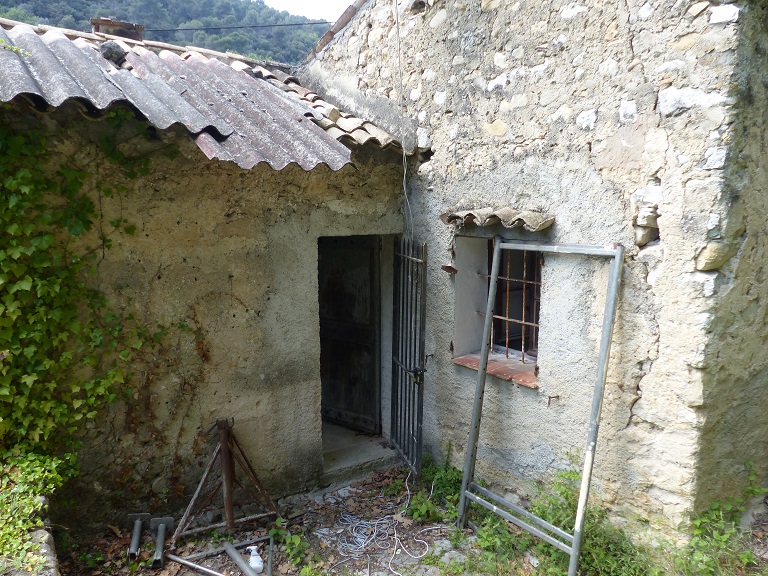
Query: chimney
x: 118, y: 28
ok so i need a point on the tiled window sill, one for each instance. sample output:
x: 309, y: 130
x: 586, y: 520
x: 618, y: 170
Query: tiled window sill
x: 502, y: 367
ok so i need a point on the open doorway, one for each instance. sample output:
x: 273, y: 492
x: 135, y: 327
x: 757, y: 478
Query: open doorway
x: 349, y: 332
x: 350, y: 350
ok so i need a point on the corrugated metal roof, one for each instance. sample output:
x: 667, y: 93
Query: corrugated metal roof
x: 233, y: 111
x: 509, y: 218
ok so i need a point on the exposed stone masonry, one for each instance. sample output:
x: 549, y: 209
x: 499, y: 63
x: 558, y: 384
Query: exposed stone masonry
x: 616, y: 117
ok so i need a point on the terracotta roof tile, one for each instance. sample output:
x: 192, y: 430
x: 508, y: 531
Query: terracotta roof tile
x: 509, y: 218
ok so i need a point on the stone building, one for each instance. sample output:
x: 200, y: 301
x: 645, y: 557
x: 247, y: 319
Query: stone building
x: 259, y: 211
x: 630, y: 122
x: 575, y: 123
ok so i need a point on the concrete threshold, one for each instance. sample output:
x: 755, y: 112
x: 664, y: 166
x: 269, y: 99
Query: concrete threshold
x: 348, y: 454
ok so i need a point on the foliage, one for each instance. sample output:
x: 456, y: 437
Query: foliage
x: 445, y: 484
x: 395, y: 487
x: 24, y: 480
x: 494, y: 536
x: 288, y: 44
x: 606, y: 550
x: 422, y: 509
x: 62, y: 350
x: 295, y: 544
x: 55, y: 332
x: 715, y: 547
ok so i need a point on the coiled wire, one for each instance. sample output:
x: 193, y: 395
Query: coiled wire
x: 358, y: 537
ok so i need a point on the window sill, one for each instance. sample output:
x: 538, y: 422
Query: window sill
x: 511, y: 370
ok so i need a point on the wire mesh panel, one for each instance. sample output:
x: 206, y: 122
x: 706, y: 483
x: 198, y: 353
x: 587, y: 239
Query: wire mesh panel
x: 408, y: 361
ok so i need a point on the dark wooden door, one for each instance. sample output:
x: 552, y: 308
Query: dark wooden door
x: 349, y: 331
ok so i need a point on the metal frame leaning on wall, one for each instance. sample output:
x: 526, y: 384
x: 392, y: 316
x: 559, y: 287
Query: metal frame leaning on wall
x: 568, y: 543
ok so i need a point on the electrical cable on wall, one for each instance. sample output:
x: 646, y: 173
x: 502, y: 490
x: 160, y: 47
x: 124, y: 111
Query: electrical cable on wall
x: 409, y: 214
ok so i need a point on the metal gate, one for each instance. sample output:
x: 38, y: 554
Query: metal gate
x: 408, y: 360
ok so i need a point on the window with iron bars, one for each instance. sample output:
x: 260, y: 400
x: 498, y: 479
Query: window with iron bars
x: 515, y: 327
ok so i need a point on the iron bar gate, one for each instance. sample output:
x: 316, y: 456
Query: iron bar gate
x: 471, y: 491
x: 408, y: 359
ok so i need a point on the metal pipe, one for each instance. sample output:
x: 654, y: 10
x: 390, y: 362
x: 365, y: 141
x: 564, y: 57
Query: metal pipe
x: 522, y: 512
x: 216, y: 551
x: 224, y: 524
x: 158, y: 527
x: 422, y: 356
x: 133, y: 549
x: 138, y: 522
x: 241, y: 562
x: 269, y: 559
x: 198, y: 567
x: 184, y: 519
x: 251, y: 473
x: 242, y: 544
x: 522, y: 325
x: 506, y: 310
x: 522, y: 524
x: 474, y: 433
x: 611, y: 303
x: 227, y: 474
x: 584, y: 249
x: 157, y: 558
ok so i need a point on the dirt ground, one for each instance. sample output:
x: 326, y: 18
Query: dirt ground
x: 359, y: 529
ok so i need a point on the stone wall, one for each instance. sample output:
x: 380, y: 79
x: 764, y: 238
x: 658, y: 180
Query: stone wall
x: 736, y: 381
x: 613, y: 116
x: 223, y: 264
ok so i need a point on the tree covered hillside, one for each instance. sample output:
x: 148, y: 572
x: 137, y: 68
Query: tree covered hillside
x: 288, y: 44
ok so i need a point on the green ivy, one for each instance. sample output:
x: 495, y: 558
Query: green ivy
x: 54, y: 330
x: 24, y: 481
x: 62, y: 351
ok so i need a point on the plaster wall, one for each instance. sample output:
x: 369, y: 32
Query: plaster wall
x: 613, y: 116
x: 223, y: 267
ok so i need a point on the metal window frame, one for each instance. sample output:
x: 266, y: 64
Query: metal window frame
x: 470, y: 491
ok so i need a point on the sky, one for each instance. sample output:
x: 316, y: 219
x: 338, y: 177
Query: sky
x: 329, y: 10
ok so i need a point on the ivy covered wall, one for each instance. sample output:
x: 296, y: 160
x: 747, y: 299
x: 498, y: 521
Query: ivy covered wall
x: 209, y: 275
